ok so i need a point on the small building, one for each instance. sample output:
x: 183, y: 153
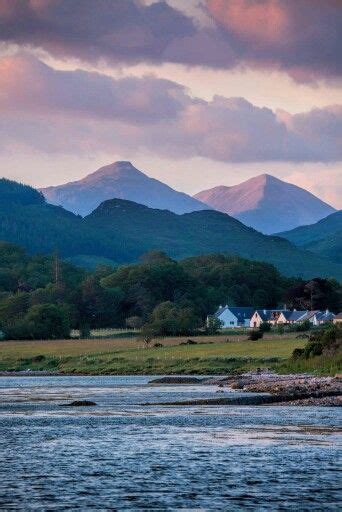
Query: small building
x: 232, y: 317
x: 318, y: 317
x: 291, y: 317
x: 266, y: 315
x: 338, y: 318
x: 323, y: 317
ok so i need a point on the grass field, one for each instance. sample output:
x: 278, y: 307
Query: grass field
x: 211, y: 355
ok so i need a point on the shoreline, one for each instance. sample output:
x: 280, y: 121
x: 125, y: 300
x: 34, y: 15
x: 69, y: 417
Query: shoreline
x: 269, y: 387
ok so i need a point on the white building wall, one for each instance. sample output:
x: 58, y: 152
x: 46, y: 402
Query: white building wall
x: 256, y: 320
x: 228, y: 319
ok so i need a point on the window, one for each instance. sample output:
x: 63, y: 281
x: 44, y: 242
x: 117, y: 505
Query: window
x: 232, y: 322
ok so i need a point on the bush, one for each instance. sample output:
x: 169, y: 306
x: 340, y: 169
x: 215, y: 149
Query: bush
x: 265, y: 327
x: 255, y: 335
x: 47, y: 321
x: 297, y: 353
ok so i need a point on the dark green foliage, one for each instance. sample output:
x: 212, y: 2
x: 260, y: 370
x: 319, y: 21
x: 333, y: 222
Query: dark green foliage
x: 163, y: 295
x: 41, y: 322
x: 323, y: 238
x: 202, y: 232
x: 326, y: 341
x: 121, y: 231
x: 213, y: 325
x: 265, y: 327
x: 255, y: 335
x: 315, y: 294
x: 171, y: 319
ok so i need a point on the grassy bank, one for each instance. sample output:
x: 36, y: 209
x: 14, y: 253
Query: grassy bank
x: 211, y: 355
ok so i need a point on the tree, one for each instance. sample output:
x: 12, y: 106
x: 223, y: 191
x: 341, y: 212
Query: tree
x: 213, y: 325
x: 169, y: 318
x: 47, y: 321
x: 134, y: 322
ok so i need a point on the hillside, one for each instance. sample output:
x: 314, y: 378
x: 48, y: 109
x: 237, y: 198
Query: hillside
x: 202, y: 232
x: 267, y: 204
x: 323, y: 237
x: 119, y: 180
x: 121, y: 231
x: 26, y: 219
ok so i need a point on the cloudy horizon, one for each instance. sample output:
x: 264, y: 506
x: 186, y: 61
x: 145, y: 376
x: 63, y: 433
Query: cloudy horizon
x: 196, y: 95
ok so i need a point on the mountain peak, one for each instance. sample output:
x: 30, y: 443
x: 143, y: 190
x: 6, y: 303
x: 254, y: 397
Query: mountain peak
x: 266, y: 202
x: 120, y: 180
x: 115, y: 169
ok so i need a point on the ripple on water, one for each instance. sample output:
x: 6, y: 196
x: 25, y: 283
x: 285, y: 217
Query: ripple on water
x: 120, y: 455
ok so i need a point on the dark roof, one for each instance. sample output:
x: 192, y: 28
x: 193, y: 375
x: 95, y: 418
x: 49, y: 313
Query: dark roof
x: 324, y: 316
x: 296, y: 315
x: 267, y: 314
x: 338, y: 316
x: 308, y: 315
x: 241, y: 313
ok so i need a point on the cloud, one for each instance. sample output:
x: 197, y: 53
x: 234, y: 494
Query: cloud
x: 78, y: 111
x: 298, y: 37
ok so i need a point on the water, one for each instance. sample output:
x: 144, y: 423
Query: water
x: 121, y: 455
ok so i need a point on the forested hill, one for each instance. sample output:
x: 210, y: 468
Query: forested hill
x: 203, y: 232
x: 324, y: 237
x: 26, y: 219
x: 122, y: 231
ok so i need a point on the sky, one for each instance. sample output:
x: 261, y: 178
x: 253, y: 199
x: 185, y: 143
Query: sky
x: 196, y: 93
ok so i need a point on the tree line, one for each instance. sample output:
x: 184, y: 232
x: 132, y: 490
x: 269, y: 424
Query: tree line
x: 42, y: 297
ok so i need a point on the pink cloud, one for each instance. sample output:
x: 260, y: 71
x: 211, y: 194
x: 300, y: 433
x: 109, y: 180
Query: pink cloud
x: 299, y: 37
x: 77, y: 111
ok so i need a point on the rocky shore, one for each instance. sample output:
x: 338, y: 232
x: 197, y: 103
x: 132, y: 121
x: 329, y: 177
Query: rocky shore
x: 274, y: 389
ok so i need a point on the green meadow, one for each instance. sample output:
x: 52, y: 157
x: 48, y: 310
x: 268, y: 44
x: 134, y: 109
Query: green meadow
x: 211, y: 355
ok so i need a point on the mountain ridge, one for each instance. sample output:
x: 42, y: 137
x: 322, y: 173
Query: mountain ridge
x: 121, y: 231
x: 266, y: 203
x: 323, y: 238
x: 123, y: 181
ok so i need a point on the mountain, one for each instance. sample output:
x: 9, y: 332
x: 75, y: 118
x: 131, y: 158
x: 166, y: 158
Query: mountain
x: 267, y: 204
x: 324, y: 237
x: 203, y: 232
x: 119, y: 180
x: 27, y: 220
x: 120, y: 231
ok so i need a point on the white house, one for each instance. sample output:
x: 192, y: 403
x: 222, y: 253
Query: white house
x: 233, y: 316
x: 291, y: 317
x: 265, y: 315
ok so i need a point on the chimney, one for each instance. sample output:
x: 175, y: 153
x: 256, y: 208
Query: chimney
x: 285, y: 308
x: 264, y: 311
x: 327, y: 311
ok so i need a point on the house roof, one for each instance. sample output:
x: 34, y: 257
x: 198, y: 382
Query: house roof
x: 324, y: 316
x: 241, y: 313
x: 308, y: 315
x: 267, y: 314
x: 338, y: 316
x: 296, y: 315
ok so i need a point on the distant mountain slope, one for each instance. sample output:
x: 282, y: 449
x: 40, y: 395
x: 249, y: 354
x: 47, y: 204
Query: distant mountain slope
x: 121, y: 231
x: 119, y: 180
x: 267, y: 204
x: 27, y: 220
x: 203, y: 232
x: 323, y: 238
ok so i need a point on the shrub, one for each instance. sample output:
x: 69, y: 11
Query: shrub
x: 265, y: 327
x: 255, y: 335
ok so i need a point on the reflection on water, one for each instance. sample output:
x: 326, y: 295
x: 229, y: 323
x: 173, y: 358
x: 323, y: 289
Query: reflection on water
x: 121, y: 455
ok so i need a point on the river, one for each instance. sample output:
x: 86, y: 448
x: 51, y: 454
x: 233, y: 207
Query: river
x: 122, y: 455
